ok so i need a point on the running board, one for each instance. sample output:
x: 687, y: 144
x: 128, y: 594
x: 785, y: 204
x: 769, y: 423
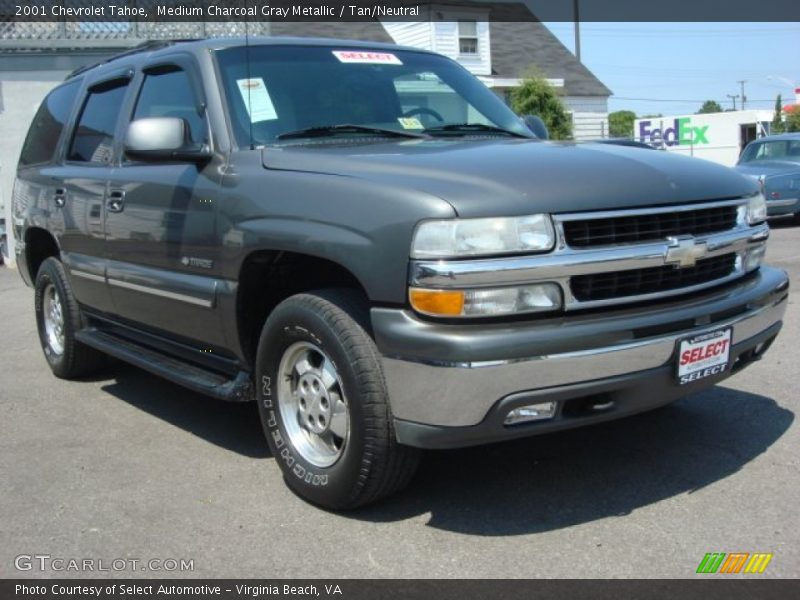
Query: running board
x: 238, y: 389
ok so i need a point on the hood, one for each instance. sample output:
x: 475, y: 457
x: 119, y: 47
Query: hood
x: 768, y: 168
x: 516, y: 176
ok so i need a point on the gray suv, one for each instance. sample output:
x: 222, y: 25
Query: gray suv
x: 366, y: 241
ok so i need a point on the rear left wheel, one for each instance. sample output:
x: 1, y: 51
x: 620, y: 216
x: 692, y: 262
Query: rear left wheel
x: 58, y: 318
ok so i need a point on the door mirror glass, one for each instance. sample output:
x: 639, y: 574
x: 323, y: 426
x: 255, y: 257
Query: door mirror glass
x: 162, y: 138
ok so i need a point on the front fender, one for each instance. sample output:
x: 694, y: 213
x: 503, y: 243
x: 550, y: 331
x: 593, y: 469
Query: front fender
x: 364, y: 226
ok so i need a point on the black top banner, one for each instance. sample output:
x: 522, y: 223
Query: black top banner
x: 112, y: 11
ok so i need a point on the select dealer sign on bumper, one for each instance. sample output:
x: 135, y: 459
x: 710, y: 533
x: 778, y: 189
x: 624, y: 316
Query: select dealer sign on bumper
x: 704, y: 355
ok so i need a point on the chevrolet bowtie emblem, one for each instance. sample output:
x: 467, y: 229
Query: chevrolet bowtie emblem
x: 684, y: 252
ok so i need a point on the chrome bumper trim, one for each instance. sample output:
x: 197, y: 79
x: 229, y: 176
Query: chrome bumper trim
x: 783, y: 202
x: 461, y: 394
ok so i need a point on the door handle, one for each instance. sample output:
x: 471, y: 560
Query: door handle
x: 60, y: 197
x: 116, y: 201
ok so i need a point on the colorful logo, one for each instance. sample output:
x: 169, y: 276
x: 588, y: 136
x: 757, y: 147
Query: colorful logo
x: 682, y: 133
x: 736, y: 562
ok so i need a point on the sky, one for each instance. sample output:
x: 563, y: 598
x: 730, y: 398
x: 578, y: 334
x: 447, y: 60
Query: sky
x: 672, y: 68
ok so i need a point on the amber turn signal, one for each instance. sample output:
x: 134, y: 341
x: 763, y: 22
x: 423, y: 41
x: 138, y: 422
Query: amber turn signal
x: 439, y: 303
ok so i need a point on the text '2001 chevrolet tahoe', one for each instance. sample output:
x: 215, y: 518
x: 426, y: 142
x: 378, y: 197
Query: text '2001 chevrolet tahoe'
x: 365, y: 240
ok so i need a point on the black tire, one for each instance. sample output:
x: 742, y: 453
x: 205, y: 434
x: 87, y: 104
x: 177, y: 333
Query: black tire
x: 73, y: 359
x: 371, y: 464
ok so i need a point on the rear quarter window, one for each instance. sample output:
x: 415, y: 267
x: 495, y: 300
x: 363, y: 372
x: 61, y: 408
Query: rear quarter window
x: 42, y: 140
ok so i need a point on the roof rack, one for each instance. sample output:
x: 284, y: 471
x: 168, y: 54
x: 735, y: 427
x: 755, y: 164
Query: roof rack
x: 148, y: 46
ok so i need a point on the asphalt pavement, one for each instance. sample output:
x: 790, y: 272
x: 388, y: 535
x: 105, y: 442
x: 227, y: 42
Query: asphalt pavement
x: 125, y: 466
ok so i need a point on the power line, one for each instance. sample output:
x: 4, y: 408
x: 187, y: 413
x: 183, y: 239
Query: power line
x: 674, y: 99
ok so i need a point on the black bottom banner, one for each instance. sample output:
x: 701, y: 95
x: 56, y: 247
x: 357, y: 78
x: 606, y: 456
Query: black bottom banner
x: 411, y: 589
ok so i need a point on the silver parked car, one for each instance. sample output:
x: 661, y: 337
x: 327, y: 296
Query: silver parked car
x: 775, y: 161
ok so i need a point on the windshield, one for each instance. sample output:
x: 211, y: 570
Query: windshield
x: 287, y: 89
x: 785, y: 150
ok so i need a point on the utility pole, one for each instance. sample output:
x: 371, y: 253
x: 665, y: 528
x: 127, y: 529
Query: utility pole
x: 577, y: 30
x: 733, y: 97
x: 741, y: 82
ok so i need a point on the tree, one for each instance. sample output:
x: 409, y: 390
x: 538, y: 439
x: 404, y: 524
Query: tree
x: 710, y: 106
x: 535, y: 96
x: 793, y: 120
x: 620, y: 123
x: 777, y: 122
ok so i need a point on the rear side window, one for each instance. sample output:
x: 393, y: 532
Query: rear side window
x: 40, y: 145
x: 169, y: 94
x: 93, y: 140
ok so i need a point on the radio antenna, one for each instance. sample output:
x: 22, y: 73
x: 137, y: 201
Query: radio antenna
x: 247, y: 60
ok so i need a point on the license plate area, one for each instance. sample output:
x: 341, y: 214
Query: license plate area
x: 703, y: 355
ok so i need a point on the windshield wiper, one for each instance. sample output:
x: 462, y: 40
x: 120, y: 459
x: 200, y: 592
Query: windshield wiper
x: 328, y: 130
x: 467, y: 128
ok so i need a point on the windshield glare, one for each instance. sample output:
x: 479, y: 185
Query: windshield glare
x: 289, y: 88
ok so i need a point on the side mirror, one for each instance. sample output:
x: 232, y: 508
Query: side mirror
x: 162, y: 138
x: 537, y: 126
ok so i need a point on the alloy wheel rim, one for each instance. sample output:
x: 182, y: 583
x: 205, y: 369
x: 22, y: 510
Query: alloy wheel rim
x: 312, y: 404
x: 53, y: 320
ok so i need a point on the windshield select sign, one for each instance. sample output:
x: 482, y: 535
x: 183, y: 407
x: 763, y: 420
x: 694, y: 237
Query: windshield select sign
x: 681, y: 133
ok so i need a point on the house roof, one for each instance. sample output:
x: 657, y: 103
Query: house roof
x: 518, y: 46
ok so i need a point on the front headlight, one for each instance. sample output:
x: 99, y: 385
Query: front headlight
x: 455, y: 238
x: 756, y: 209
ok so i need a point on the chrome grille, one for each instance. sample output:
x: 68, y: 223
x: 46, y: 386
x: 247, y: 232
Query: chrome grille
x: 634, y: 268
x: 637, y: 282
x: 589, y: 232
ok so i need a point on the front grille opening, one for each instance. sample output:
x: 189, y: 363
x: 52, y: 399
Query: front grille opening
x: 753, y: 354
x: 586, y: 406
x: 635, y: 282
x: 645, y: 228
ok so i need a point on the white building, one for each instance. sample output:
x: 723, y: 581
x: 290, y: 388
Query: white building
x: 718, y: 137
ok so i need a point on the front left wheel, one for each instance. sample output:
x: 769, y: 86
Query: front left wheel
x: 323, y: 402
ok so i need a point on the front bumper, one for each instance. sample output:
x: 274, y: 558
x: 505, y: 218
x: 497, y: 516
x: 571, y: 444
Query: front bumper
x: 783, y: 207
x: 452, y: 385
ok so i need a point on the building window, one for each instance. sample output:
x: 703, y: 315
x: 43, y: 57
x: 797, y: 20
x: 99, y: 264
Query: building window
x: 467, y: 37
